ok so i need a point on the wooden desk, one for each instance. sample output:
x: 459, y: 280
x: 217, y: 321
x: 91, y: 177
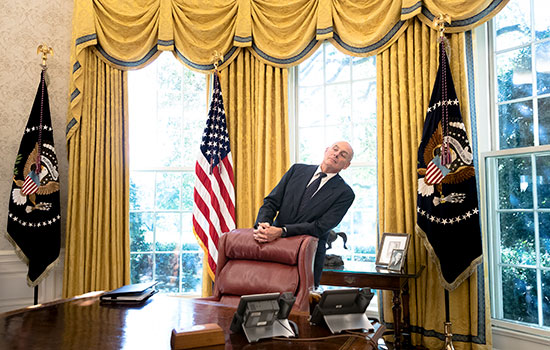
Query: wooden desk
x: 85, y: 323
x: 368, y: 275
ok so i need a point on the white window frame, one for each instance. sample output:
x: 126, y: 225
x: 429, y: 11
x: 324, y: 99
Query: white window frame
x: 487, y: 124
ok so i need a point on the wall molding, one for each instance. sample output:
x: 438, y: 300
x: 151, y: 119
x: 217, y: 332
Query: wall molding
x: 14, y: 291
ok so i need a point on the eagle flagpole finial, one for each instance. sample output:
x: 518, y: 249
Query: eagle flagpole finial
x: 45, y: 50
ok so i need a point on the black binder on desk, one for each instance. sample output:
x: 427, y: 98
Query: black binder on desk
x: 130, y: 293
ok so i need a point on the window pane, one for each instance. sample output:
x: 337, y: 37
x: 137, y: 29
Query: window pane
x: 167, y: 272
x: 519, y: 293
x: 364, y: 101
x: 143, y: 113
x: 141, y: 232
x: 517, y: 239
x: 311, y: 107
x: 515, y: 183
x: 542, y: 63
x: 142, y: 190
x: 141, y: 268
x: 312, y: 144
x: 544, y: 121
x: 169, y: 139
x: 168, y: 190
x: 339, y: 109
x: 512, y: 24
x: 310, y: 72
x: 360, y: 222
x: 363, y: 67
x: 191, y: 271
x: 544, y: 238
x: 187, y: 182
x: 516, y: 125
x: 169, y: 80
x: 188, y: 239
x: 167, y: 233
x: 542, y: 20
x: 364, y: 142
x: 337, y: 65
x: 545, y: 279
x: 543, y: 181
x: 514, y: 77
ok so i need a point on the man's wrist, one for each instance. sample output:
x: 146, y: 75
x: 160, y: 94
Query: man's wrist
x: 283, y: 232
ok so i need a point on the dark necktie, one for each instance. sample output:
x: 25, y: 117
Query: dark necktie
x: 311, y: 189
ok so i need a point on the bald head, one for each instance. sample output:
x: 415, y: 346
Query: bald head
x: 337, y: 157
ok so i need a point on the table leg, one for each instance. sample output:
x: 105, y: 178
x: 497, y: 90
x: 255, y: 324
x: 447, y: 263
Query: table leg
x: 406, y: 317
x: 397, y: 319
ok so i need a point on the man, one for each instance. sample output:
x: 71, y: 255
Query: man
x: 309, y: 200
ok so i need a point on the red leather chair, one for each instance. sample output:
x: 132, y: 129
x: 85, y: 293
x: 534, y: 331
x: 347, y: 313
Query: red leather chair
x: 248, y: 267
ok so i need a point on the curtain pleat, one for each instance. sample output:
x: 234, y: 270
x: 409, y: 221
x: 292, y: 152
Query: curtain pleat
x: 256, y: 101
x: 97, y: 244
x: 406, y: 74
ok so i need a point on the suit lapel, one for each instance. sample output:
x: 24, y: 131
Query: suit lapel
x: 329, y: 189
x: 299, y: 186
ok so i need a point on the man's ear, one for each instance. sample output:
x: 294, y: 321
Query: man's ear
x: 346, y: 166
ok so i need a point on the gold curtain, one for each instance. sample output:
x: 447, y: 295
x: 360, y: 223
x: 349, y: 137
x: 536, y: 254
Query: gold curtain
x: 406, y: 74
x: 97, y: 251
x: 256, y: 101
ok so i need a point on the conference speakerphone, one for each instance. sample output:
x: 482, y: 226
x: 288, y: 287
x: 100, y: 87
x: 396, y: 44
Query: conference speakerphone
x: 343, y: 309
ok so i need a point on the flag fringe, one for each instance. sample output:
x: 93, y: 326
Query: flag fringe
x: 24, y: 259
x: 460, y: 278
x: 211, y: 273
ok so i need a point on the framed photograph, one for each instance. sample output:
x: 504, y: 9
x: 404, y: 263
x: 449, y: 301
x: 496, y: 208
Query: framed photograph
x: 391, y: 241
x: 396, y: 260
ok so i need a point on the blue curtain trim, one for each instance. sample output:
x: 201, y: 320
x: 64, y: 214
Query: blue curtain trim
x: 76, y: 66
x: 290, y: 60
x: 242, y: 39
x: 74, y: 94
x: 466, y: 21
x: 324, y: 30
x: 137, y: 63
x: 85, y: 38
x: 374, y: 46
x: 204, y: 67
x: 70, y: 126
x: 165, y: 42
x: 407, y: 10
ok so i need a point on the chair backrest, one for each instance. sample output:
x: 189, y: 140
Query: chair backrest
x: 248, y: 267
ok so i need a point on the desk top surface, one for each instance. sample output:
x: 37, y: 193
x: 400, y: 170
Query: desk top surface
x: 86, y: 323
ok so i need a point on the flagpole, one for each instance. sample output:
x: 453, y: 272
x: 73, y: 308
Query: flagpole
x: 439, y: 23
x: 45, y: 50
x: 448, y: 325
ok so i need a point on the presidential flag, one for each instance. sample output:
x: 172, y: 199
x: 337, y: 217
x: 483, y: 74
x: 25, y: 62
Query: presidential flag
x: 447, y: 205
x: 214, y: 195
x: 34, y: 226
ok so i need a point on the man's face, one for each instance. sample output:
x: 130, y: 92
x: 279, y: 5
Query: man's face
x: 337, y: 157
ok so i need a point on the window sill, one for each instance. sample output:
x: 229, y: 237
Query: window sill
x: 521, y: 332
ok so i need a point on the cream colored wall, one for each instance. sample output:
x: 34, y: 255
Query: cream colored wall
x: 24, y: 26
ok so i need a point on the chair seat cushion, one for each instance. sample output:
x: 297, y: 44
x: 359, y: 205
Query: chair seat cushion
x: 242, y: 277
x: 243, y: 246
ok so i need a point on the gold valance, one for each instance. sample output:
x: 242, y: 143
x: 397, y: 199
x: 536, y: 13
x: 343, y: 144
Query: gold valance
x: 128, y: 34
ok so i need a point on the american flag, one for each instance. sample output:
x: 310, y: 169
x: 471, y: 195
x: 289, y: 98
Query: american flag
x: 214, y: 196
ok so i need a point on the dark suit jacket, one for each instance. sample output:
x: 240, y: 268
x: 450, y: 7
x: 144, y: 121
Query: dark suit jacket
x: 323, y: 212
